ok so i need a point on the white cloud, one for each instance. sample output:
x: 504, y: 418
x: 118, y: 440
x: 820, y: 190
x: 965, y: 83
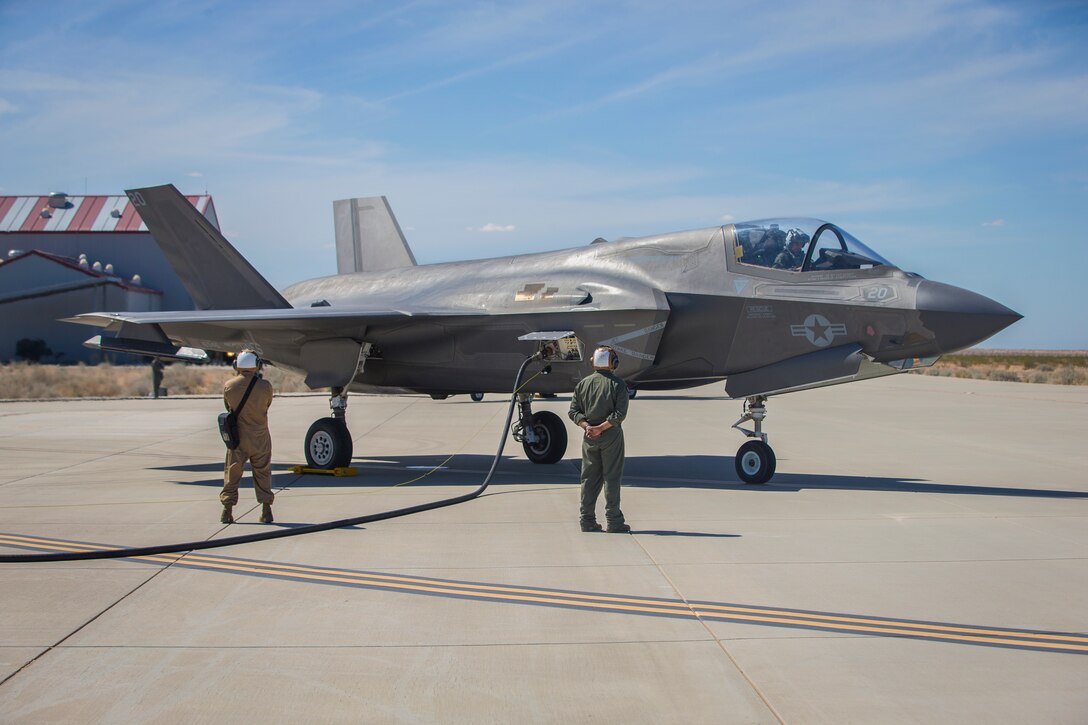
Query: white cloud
x: 7, y: 106
x: 994, y: 223
x: 195, y: 174
x: 491, y: 228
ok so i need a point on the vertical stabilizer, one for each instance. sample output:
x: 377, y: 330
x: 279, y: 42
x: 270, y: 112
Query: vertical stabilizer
x: 368, y: 238
x: 216, y: 276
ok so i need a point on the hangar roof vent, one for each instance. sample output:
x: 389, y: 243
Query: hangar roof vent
x: 59, y: 200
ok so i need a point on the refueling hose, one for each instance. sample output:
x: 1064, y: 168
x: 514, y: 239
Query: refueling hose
x: 298, y: 531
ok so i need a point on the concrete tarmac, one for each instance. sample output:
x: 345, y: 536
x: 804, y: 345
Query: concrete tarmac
x: 921, y: 556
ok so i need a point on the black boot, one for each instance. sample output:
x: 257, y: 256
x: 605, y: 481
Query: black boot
x: 227, y: 517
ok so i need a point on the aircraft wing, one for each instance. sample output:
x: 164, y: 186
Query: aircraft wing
x: 324, y: 318
x: 326, y: 343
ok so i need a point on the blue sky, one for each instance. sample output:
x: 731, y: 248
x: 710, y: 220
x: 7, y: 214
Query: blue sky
x: 949, y: 135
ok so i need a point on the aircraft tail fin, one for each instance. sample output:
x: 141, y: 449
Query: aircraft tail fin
x: 368, y: 238
x: 216, y: 276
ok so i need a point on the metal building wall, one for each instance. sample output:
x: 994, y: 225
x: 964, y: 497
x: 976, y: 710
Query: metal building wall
x: 37, y: 318
x: 130, y: 253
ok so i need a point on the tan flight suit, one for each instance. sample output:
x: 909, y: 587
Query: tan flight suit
x: 598, y: 397
x: 255, y: 441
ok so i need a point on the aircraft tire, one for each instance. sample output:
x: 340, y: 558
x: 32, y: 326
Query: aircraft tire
x: 477, y: 397
x: 755, y: 462
x: 328, y: 444
x: 552, y: 438
x: 632, y: 393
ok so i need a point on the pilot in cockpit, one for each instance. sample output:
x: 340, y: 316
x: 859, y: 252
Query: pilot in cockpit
x: 793, y: 256
x: 773, y: 242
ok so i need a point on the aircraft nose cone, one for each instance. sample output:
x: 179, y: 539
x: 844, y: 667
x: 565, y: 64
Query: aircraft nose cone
x: 959, y: 318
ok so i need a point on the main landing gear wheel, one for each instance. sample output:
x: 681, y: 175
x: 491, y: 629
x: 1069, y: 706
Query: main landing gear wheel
x: 328, y: 444
x: 551, y: 438
x: 477, y: 397
x: 755, y: 462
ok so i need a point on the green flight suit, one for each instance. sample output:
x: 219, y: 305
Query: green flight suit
x: 788, y: 259
x: 598, y: 397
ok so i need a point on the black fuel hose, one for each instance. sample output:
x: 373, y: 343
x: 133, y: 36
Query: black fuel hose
x: 282, y: 533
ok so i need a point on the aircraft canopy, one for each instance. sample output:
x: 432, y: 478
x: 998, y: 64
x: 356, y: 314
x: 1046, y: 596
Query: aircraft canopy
x: 823, y: 246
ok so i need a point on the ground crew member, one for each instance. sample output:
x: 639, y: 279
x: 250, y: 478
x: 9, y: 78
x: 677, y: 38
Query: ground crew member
x: 156, y: 377
x: 255, y: 442
x: 598, y: 407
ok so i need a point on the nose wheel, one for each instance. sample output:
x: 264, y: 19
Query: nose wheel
x: 755, y: 460
x: 542, y: 435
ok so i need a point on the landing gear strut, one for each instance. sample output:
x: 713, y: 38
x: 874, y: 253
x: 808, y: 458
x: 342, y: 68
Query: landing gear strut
x: 755, y: 461
x: 328, y: 442
x: 542, y: 435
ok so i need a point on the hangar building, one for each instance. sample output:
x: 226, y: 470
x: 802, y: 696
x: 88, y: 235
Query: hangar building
x: 62, y: 255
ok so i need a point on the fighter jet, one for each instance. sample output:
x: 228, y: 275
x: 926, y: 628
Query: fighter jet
x: 769, y: 307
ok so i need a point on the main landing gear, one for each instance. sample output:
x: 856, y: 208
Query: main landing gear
x: 543, y: 435
x: 755, y: 461
x: 328, y: 442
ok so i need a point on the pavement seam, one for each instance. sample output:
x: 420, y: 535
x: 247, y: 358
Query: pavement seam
x: 96, y: 617
x: 83, y: 626
x: 721, y: 645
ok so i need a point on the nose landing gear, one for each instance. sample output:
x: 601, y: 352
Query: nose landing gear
x: 542, y: 435
x: 755, y: 461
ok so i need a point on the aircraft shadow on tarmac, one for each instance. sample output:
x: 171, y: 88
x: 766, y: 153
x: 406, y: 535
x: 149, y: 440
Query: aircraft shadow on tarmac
x: 706, y: 472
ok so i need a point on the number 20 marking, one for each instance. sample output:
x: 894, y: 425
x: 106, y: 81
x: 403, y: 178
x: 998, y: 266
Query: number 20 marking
x: 879, y: 294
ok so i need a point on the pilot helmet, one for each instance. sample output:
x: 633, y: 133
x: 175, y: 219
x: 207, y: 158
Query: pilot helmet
x: 796, y: 235
x: 605, y: 358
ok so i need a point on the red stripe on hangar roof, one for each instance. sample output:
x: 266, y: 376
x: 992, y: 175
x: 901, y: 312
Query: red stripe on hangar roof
x: 35, y: 221
x: 6, y: 202
x: 88, y: 212
x: 130, y: 220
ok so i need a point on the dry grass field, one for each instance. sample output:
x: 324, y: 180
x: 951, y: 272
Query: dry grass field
x: 1054, y: 367
x: 28, y: 381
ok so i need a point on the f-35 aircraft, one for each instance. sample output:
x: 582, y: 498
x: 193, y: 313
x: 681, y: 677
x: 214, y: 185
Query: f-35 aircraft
x: 769, y: 306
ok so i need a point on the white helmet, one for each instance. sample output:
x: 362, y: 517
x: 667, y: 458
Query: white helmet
x: 246, y: 360
x: 605, y: 358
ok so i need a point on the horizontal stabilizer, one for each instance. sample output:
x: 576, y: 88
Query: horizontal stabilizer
x: 215, y: 275
x: 145, y: 347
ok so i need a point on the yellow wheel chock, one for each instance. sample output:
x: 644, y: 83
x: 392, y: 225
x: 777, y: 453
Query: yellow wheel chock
x: 324, y: 471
